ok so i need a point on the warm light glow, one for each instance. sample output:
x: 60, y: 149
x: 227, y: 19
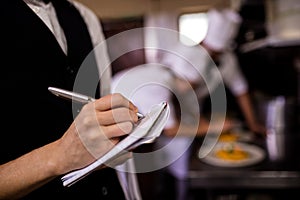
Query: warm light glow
x: 192, y: 28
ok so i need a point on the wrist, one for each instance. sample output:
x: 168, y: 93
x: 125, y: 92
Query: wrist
x: 55, y: 162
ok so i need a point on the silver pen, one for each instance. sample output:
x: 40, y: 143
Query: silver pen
x: 77, y: 97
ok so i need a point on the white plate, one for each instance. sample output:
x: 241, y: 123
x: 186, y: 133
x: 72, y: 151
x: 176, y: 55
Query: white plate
x: 256, y: 153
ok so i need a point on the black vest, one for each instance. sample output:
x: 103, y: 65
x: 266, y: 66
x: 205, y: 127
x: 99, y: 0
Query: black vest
x: 34, y: 116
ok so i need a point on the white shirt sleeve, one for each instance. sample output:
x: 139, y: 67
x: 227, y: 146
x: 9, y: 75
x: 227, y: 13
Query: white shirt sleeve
x: 232, y: 75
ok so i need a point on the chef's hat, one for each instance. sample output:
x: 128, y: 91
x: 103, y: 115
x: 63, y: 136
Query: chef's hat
x: 223, y: 26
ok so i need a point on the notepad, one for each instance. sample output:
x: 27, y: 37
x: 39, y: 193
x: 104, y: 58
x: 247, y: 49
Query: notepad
x: 145, y: 131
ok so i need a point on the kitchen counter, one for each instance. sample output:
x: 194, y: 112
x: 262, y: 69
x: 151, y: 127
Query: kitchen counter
x: 269, y: 174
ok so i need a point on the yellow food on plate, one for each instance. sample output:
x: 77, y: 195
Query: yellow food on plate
x: 228, y: 137
x: 231, y: 153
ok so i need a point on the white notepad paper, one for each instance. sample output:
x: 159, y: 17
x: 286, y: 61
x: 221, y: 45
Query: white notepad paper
x: 146, y: 131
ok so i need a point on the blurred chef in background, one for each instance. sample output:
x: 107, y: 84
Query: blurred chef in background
x: 189, y: 74
x: 219, y: 43
x: 216, y: 50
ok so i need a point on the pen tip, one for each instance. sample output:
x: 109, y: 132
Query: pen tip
x: 140, y: 116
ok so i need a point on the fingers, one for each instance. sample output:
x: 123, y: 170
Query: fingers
x: 113, y: 115
x: 118, y: 130
x: 115, y: 108
x: 114, y: 101
x: 117, y: 115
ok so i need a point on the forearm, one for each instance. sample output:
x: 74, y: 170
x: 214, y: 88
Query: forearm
x: 24, y: 174
x: 247, y: 108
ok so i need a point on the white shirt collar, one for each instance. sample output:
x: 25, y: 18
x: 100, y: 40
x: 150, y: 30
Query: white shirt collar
x: 47, y: 14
